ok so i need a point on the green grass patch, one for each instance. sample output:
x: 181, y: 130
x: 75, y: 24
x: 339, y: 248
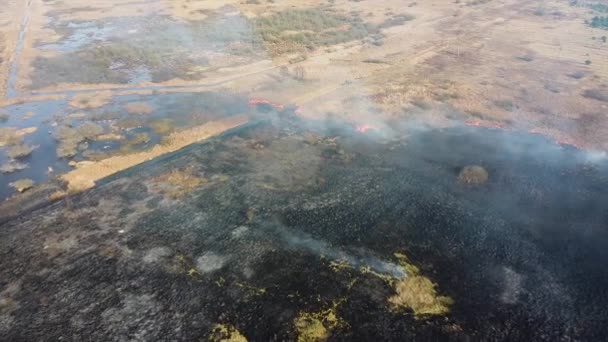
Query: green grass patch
x: 298, y: 30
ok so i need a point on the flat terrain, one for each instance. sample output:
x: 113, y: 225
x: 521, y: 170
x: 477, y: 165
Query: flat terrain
x: 90, y: 80
x: 285, y: 233
x: 265, y: 170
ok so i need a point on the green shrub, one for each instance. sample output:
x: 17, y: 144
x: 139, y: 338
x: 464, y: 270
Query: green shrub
x: 305, y: 29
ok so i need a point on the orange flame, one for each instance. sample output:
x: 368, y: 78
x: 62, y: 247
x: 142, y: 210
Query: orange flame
x: 559, y: 141
x: 298, y: 110
x: 484, y: 124
x: 364, y: 128
x: 277, y: 106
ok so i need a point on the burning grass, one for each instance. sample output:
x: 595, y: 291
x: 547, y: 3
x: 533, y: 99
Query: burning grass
x: 473, y: 175
x: 20, y: 151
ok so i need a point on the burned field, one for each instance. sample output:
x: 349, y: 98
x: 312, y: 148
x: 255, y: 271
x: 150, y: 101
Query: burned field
x: 284, y: 231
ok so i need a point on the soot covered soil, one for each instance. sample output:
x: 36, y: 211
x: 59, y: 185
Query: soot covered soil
x: 274, y: 225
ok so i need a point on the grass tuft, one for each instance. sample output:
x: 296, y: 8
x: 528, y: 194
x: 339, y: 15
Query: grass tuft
x: 20, y: 151
x: 22, y: 185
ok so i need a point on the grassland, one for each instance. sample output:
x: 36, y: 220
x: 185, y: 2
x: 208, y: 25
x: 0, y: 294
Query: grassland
x: 109, y: 63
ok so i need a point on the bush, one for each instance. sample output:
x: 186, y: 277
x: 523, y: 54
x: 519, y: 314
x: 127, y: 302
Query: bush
x: 505, y: 104
x: 473, y: 175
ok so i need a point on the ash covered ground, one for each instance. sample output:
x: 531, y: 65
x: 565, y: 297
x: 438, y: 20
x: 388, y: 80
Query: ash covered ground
x: 286, y: 231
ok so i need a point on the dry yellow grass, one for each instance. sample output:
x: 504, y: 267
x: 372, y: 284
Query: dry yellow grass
x: 91, y: 100
x: 317, y: 326
x: 22, y: 185
x: 57, y: 195
x: 177, y: 183
x: 138, y: 108
x: 417, y: 293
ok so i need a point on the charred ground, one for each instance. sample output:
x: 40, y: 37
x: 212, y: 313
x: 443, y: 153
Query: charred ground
x: 288, y: 219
